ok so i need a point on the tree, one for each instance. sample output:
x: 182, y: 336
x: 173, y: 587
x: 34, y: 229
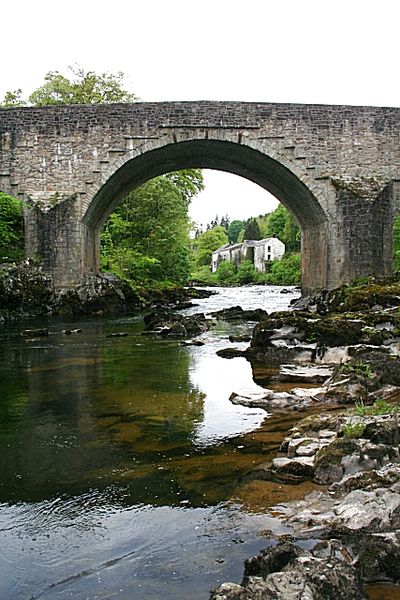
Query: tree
x: 13, y: 99
x: 85, y: 87
x: 147, y: 236
x: 234, y: 230
x: 276, y: 221
x: 207, y: 243
x: 251, y: 230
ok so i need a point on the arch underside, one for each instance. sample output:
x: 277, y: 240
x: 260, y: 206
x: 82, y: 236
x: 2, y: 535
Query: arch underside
x: 234, y: 158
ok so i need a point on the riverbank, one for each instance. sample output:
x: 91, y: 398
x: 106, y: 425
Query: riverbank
x: 345, y: 535
x: 26, y: 291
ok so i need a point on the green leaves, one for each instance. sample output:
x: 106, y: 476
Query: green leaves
x: 11, y: 228
x: 13, y: 99
x: 147, y: 236
x: 85, y: 87
x: 207, y: 242
x: 234, y: 230
x: 286, y: 271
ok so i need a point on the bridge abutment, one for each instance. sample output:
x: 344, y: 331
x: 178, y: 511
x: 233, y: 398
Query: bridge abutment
x: 365, y: 217
x: 55, y: 238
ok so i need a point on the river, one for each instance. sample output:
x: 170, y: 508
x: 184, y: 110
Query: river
x: 121, y: 459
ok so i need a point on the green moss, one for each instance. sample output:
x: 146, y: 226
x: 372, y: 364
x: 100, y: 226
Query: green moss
x: 333, y: 454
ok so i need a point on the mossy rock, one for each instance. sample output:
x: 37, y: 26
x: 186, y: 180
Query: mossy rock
x: 367, y: 296
x: 335, y: 451
x: 316, y: 423
x: 334, y: 330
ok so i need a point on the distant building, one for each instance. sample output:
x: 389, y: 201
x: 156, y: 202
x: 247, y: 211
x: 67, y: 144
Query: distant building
x: 258, y: 252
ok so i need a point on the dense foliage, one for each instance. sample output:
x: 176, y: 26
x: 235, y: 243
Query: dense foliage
x: 234, y: 230
x: 11, y: 228
x: 146, y: 239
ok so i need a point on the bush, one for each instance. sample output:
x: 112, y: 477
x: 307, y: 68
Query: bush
x: 226, y: 274
x: 131, y: 265
x: 286, y: 271
x: 380, y: 407
x: 360, y: 367
x: 246, y: 273
x: 11, y: 228
x: 203, y: 275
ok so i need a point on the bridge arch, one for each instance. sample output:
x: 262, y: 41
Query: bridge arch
x: 249, y: 160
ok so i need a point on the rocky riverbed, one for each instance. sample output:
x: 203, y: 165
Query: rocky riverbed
x: 341, y: 352
x: 337, y: 354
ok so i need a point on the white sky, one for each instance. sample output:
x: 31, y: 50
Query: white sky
x: 306, y: 51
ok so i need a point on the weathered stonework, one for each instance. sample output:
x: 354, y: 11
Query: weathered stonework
x: 336, y: 168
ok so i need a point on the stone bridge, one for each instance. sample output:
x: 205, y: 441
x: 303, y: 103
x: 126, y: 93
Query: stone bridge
x: 336, y: 168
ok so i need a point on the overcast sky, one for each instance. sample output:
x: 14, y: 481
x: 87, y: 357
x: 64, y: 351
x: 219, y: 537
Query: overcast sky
x: 297, y: 51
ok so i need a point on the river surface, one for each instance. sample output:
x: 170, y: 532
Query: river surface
x: 121, y: 459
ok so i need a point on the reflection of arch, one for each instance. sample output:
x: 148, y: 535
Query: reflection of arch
x: 135, y: 168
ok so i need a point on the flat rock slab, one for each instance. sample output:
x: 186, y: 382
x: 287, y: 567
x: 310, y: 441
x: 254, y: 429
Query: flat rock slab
x: 305, y: 373
x: 359, y: 511
x: 270, y: 400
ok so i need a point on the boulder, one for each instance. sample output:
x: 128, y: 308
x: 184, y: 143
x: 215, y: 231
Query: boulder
x: 193, y: 343
x: 345, y: 456
x: 97, y: 294
x: 239, y: 338
x: 377, y: 556
x: 237, y: 313
x: 324, y: 515
x: 288, y: 573
x: 165, y: 322
x: 230, y: 352
x: 24, y: 290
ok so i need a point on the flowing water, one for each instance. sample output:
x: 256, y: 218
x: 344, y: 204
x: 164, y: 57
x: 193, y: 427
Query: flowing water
x: 121, y: 460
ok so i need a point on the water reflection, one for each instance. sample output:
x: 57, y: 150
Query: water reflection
x: 117, y: 457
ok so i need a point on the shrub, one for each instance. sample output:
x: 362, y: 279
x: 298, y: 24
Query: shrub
x: 11, y: 228
x: 226, y: 273
x: 203, y: 275
x: 246, y: 272
x: 286, y: 271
